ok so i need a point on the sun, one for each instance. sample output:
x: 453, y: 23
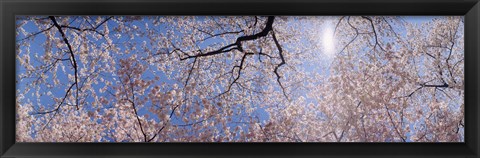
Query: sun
x: 328, y: 40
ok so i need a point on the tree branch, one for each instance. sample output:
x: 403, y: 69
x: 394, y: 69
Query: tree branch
x: 74, y: 62
x: 57, y: 108
x: 374, y: 32
x: 280, y: 53
x: 238, y: 42
x: 393, y: 123
x: 135, y: 109
x: 34, y: 34
x: 240, y: 67
x: 238, y: 46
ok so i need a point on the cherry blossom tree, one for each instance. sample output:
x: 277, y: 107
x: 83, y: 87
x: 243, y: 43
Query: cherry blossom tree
x: 239, y: 79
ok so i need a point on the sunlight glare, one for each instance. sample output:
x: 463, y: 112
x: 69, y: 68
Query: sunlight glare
x: 328, y: 41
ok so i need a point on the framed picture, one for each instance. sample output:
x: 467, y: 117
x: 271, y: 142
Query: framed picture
x: 214, y: 78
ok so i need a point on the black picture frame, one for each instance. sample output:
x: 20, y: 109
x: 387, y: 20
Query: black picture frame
x: 10, y: 8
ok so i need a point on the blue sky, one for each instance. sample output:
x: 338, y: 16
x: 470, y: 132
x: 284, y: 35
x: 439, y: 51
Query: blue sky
x: 37, y: 48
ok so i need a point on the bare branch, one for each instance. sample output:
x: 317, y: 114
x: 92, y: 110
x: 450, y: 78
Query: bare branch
x: 37, y: 33
x: 393, y: 123
x: 280, y: 53
x: 377, y: 43
x: 135, y: 109
x: 238, y: 43
x: 57, y: 108
x: 74, y: 62
x: 240, y: 67
x: 338, y: 23
x: 190, y: 72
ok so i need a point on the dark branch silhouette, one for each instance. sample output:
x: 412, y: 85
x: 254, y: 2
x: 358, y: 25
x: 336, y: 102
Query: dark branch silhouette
x: 94, y: 29
x: 377, y: 43
x: 238, y: 43
x: 74, y: 62
x: 393, y: 123
x: 280, y: 53
x: 238, y: 46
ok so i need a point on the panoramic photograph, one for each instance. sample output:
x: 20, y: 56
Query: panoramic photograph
x: 240, y: 79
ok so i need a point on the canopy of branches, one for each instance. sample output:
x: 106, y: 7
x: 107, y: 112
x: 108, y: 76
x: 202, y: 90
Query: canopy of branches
x: 239, y: 79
